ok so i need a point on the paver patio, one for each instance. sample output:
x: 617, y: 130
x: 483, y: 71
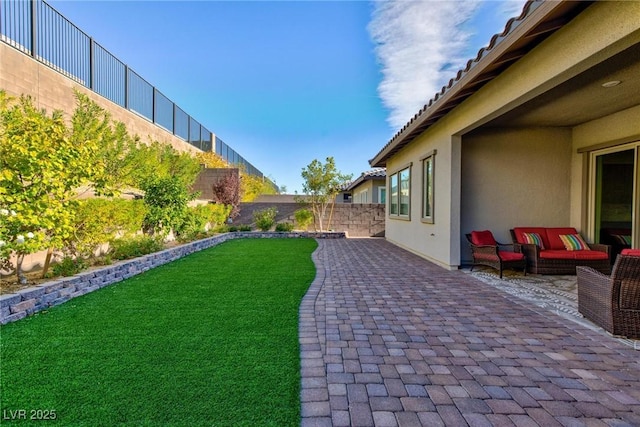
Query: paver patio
x: 389, y: 339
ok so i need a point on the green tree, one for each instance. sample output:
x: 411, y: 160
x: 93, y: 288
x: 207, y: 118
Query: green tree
x: 322, y: 183
x: 158, y: 161
x: 211, y: 160
x: 127, y: 161
x: 45, y: 161
x: 252, y: 186
x: 41, y: 166
x: 115, y: 150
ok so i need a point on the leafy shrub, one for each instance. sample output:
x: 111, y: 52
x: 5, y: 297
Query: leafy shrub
x: 131, y: 247
x: 198, y: 220
x: 265, y: 218
x: 53, y: 157
x: 96, y: 221
x: 284, y: 226
x: 106, y: 259
x: 166, y: 200
x: 227, y: 192
x: 69, y: 266
x: 244, y: 228
x: 218, y: 214
x: 304, y: 218
x: 194, y: 221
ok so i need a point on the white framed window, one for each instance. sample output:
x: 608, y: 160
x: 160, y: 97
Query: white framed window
x: 393, y: 190
x: 428, y: 173
x: 382, y: 195
x: 362, y: 197
x: 400, y: 190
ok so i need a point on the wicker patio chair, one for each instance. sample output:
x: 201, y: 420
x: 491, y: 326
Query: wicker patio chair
x: 486, y: 251
x: 612, y: 302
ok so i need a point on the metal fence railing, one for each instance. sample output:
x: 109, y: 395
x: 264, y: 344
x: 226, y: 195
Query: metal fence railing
x: 15, y: 30
x: 37, y: 29
x: 109, y: 75
x: 234, y: 158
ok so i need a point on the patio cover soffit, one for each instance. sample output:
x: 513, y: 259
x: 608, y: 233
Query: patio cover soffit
x: 538, y: 20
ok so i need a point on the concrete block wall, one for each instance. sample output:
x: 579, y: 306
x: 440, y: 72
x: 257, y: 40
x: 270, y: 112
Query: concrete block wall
x: 357, y: 220
x: 31, y: 300
x: 207, y: 178
x: 22, y: 75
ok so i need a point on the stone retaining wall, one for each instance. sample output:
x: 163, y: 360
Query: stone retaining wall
x: 37, y: 298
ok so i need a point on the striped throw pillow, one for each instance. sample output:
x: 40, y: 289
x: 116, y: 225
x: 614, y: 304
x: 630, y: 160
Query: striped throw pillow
x: 534, y: 239
x: 573, y: 242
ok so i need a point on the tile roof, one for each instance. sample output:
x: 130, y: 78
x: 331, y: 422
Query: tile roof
x: 370, y: 174
x: 541, y: 18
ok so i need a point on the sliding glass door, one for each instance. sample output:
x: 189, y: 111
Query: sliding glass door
x: 615, y: 206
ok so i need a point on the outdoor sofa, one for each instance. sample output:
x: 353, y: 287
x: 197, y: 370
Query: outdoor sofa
x: 559, y: 250
x: 613, y: 302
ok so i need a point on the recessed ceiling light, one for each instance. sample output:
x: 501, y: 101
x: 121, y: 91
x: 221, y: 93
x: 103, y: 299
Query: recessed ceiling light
x: 612, y: 83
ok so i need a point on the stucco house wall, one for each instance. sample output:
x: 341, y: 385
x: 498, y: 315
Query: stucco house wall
x: 372, y: 187
x: 357, y: 193
x: 514, y: 177
x: 376, y: 184
x: 542, y: 174
x: 432, y: 241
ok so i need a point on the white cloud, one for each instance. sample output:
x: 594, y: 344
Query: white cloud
x: 420, y: 45
x: 511, y: 9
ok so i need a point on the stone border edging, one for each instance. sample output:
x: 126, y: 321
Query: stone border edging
x: 314, y: 400
x: 31, y: 300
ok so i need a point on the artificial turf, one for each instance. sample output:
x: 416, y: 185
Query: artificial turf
x: 210, y: 339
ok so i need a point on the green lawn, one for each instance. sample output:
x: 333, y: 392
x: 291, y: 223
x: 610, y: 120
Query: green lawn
x: 211, y: 339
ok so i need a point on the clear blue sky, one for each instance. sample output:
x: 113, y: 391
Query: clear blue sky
x: 287, y: 82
